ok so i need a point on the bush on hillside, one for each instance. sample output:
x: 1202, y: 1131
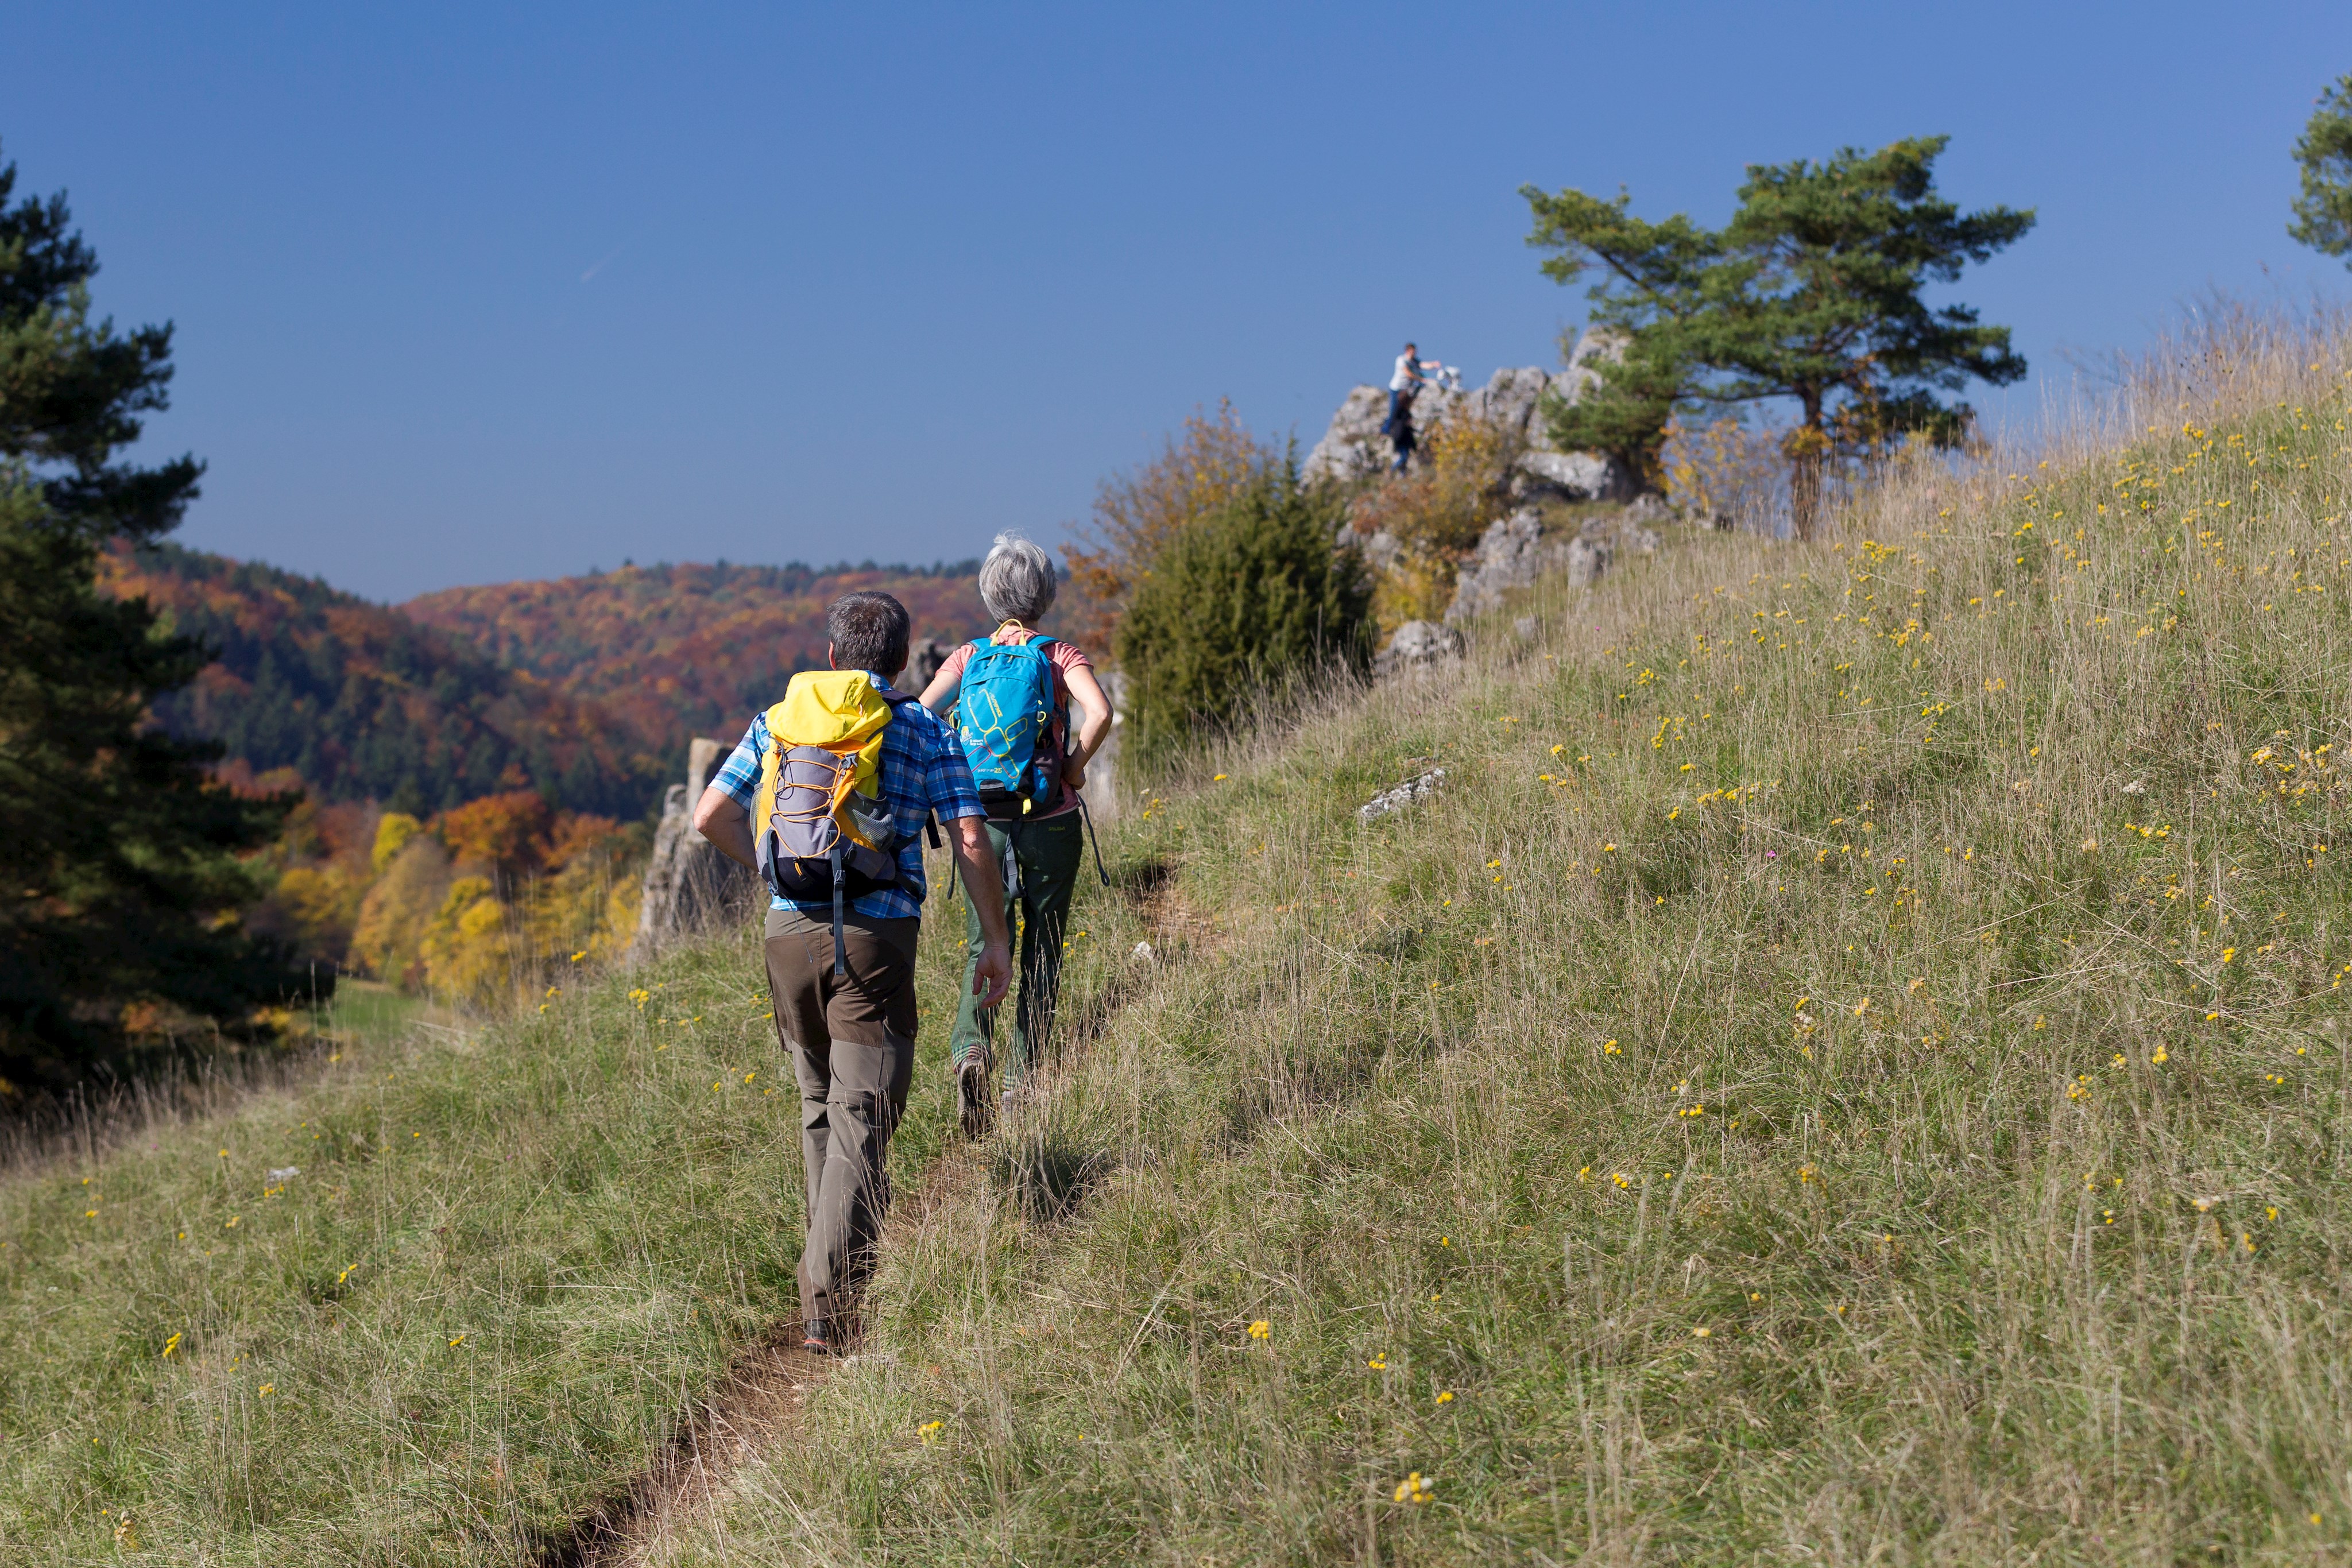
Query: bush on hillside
x: 1136, y: 514
x: 1247, y: 599
x: 1435, y: 513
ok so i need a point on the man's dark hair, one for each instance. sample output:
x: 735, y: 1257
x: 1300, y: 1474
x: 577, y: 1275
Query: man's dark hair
x: 869, y: 631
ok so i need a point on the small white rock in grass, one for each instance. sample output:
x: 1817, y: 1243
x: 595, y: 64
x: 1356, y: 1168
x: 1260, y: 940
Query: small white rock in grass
x: 1143, y: 950
x: 1398, y: 798
x: 282, y: 1172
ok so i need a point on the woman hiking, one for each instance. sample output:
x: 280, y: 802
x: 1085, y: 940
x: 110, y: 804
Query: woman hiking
x: 1012, y: 693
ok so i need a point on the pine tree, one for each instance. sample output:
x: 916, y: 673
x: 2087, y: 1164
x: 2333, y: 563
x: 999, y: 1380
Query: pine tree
x: 1239, y: 601
x: 119, y: 857
x: 1812, y: 293
x: 2322, y: 211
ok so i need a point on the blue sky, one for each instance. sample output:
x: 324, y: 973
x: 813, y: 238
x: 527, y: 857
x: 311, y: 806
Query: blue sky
x: 471, y: 293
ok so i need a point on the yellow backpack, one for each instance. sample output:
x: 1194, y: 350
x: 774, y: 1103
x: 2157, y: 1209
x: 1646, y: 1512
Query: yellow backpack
x: 823, y: 828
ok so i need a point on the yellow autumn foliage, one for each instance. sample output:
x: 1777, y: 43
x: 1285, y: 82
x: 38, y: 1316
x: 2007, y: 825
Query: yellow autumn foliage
x: 388, y: 941
x: 393, y: 831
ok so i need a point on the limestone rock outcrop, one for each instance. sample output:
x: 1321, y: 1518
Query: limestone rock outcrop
x: 1417, y: 645
x: 688, y: 883
x: 1353, y: 448
x: 1514, y: 551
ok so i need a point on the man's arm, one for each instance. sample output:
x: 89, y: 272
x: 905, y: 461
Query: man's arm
x: 718, y: 817
x: 978, y: 862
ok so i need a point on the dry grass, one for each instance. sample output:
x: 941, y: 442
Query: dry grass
x: 1849, y: 1070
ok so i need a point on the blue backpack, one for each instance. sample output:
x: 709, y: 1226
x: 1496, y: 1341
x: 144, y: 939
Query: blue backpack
x: 1010, y: 727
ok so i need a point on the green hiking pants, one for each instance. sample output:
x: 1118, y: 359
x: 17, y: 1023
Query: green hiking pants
x: 1048, y: 854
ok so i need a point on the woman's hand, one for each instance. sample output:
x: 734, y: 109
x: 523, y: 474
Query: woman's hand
x: 1073, y: 774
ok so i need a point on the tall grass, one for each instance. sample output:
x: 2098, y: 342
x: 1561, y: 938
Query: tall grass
x: 507, y: 1261
x: 1849, y: 1069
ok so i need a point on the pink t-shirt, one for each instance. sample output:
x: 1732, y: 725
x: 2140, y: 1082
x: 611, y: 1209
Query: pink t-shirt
x: 1064, y: 657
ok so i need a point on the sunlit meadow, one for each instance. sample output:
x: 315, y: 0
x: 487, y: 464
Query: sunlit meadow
x: 1848, y: 1068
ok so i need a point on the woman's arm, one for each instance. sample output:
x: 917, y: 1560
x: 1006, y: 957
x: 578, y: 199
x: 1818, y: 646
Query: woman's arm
x: 1093, y: 730
x: 940, y: 695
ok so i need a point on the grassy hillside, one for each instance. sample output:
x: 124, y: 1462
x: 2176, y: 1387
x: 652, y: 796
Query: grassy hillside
x: 363, y: 703
x: 1849, y: 1068
x: 679, y: 651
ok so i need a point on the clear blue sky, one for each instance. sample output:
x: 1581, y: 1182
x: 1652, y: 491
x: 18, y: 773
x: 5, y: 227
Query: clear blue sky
x: 470, y: 293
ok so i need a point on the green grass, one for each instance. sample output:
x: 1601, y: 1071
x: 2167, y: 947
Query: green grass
x: 512, y: 1255
x: 370, y: 1011
x: 1849, y: 1068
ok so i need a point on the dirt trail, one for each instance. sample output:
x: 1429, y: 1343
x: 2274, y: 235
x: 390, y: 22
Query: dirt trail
x: 759, y: 1402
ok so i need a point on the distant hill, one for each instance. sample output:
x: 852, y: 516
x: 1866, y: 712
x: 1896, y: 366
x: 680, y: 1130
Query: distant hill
x: 584, y: 688
x: 364, y: 703
x: 679, y: 651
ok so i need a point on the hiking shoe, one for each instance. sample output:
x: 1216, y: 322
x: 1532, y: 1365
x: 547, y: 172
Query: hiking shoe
x: 972, y: 1097
x: 814, y: 1339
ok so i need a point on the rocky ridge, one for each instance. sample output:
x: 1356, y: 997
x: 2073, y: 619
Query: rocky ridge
x: 1353, y: 448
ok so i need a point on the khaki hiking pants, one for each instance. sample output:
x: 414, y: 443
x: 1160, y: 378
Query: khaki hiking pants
x: 852, y: 1041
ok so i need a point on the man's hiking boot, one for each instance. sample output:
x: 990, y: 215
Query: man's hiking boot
x: 814, y: 1338
x: 972, y: 1097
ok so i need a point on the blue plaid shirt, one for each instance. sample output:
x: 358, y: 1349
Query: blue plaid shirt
x: 923, y: 771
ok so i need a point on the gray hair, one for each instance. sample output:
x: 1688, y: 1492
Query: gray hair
x: 1017, y: 582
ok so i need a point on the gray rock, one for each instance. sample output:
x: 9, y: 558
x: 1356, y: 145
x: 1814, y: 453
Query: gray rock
x: 1510, y: 554
x: 1398, y: 798
x: 1525, y: 628
x: 688, y: 883
x: 1587, y: 559
x: 1379, y: 549
x: 1353, y: 448
x: 1541, y: 474
x: 929, y: 656
x: 1418, y: 645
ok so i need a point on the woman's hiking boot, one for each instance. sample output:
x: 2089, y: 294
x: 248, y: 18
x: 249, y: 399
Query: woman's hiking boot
x: 972, y: 1097
x: 815, y: 1337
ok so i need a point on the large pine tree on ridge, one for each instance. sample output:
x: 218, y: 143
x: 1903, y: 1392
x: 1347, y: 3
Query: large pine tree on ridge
x: 119, y: 877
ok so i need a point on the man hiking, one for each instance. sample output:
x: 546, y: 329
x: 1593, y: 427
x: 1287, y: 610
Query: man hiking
x: 827, y: 795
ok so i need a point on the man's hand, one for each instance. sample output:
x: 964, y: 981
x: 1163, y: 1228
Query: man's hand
x: 1073, y: 774
x: 993, y: 978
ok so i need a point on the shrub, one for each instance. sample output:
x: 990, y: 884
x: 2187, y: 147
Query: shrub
x: 1136, y: 514
x: 1249, y: 597
x: 1435, y: 513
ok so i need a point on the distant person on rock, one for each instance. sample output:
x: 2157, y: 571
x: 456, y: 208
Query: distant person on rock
x: 1011, y: 692
x: 827, y: 796
x: 1399, y: 431
x: 1411, y: 373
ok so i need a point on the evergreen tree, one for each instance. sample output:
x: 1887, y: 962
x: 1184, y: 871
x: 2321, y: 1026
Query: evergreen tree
x: 2323, y: 212
x: 1249, y: 596
x: 118, y: 855
x: 1811, y: 293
